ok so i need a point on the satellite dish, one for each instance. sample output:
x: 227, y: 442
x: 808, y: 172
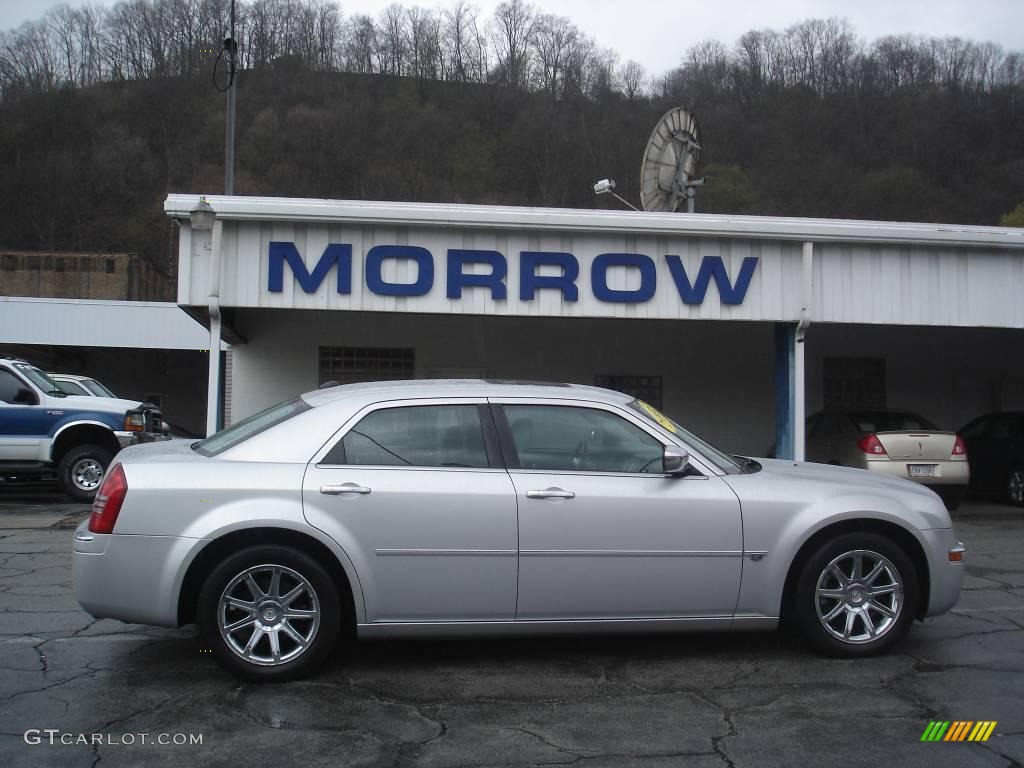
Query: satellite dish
x: 670, y: 161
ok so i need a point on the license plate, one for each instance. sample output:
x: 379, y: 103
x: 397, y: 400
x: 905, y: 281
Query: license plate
x: 922, y: 470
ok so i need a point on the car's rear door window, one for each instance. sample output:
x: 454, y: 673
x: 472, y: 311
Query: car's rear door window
x: 414, y: 436
x: 559, y: 438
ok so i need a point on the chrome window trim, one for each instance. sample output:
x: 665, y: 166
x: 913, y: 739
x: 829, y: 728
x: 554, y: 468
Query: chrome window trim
x: 701, y: 464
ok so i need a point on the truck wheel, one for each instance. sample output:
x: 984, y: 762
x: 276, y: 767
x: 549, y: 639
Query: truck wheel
x: 81, y: 469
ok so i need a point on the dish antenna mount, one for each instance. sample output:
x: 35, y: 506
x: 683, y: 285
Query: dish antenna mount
x: 670, y: 161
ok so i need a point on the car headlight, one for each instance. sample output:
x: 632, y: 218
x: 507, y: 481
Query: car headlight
x: 134, y: 422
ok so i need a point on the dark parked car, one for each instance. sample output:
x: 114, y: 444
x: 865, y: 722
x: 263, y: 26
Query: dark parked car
x: 995, y: 450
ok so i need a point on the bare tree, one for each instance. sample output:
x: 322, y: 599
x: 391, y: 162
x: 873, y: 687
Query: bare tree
x: 512, y: 30
x: 632, y: 76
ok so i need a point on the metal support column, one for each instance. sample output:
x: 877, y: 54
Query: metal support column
x: 785, y: 390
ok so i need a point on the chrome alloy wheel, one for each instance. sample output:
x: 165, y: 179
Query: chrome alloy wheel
x: 859, y: 597
x: 1015, y: 486
x: 268, y: 614
x: 86, y: 474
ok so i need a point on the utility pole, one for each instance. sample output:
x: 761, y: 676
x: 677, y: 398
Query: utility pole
x: 231, y: 49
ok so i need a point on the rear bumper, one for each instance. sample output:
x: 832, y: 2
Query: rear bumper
x: 944, y: 576
x: 944, y: 472
x: 131, y: 578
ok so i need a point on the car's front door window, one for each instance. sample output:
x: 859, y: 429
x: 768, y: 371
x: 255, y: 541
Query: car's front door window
x: 557, y: 438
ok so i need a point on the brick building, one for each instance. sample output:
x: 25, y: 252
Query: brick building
x: 75, y: 275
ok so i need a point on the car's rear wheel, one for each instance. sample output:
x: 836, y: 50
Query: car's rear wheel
x: 1015, y: 486
x: 80, y: 471
x: 856, y: 595
x: 269, y: 614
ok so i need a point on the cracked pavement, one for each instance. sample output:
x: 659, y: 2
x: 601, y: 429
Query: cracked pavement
x: 667, y: 700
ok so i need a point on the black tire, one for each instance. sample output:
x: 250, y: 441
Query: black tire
x: 807, y: 604
x: 952, y: 495
x: 80, y: 470
x: 322, y: 633
x: 1015, y: 486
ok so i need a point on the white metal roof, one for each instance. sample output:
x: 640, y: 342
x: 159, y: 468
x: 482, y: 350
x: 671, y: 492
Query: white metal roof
x: 570, y: 219
x: 92, y: 323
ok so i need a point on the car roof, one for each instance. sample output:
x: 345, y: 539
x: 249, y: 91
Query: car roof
x: 428, y: 388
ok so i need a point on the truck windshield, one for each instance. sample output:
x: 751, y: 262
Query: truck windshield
x: 96, y: 388
x: 246, y: 428
x: 40, y: 379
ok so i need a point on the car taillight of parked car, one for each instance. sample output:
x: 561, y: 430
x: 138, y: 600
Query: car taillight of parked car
x: 871, y: 445
x: 959, y: 449
x: 109, y: 499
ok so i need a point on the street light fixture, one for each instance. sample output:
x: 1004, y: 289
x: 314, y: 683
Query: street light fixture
x: 202, y: 215
x: 607, y: 187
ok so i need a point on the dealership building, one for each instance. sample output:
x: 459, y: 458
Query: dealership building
x: 737, y: 326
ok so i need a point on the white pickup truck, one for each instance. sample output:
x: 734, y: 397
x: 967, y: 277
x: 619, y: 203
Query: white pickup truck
x: 44, y: 431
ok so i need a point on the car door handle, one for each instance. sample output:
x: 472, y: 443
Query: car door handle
x: 335, y: 490
x: 550, y: 493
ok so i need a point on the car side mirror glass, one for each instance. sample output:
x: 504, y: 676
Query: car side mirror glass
x: 24, y: 397
x: 674, y: 460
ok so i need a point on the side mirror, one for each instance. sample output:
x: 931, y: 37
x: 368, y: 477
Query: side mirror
x: 24, y: 397
x: 674, y: 460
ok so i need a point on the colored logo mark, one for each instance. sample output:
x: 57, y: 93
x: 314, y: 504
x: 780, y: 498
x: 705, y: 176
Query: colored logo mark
x: 958, y: 730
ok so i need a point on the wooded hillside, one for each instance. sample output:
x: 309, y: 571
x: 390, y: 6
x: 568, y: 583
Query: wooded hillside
x: 103, y: 112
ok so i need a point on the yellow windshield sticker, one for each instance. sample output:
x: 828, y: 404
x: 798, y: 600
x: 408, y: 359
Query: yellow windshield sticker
x: 658, y: 416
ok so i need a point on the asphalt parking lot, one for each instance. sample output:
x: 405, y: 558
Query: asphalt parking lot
x: 696, y: 700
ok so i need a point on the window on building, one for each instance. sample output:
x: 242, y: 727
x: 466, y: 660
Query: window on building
x: 10, y: 262
x: 419, y: 436
x: 32, y: 262
x: 59, y: 265
x: 349, y: 365
x: 111, y: 266
x: 854, y: 382
x: 646, y: 388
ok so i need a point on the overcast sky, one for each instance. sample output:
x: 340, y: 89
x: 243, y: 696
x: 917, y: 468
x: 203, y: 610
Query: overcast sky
x: 657, y: 32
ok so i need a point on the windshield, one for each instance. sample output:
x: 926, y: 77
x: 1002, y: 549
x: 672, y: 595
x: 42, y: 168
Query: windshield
x: 40, y: 379
x: 71, y: 387
x: 246, y: 428
x: 96, y: 388
x: 890, y: 421
x: 723, y: 461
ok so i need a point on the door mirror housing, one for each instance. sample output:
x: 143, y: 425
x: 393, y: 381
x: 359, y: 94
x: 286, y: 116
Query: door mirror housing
x: 675, y: 460
x: 24, y: 397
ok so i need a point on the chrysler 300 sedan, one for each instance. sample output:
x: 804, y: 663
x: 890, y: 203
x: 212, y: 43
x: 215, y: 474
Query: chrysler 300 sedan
x: 427, y: 507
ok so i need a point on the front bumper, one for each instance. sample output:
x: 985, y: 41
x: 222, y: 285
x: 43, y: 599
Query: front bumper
x: 126, y: 439
x: 132, y: 578
x: 945, y: 576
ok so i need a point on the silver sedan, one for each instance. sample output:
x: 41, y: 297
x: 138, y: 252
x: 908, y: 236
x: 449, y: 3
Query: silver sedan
x: 457, y: 507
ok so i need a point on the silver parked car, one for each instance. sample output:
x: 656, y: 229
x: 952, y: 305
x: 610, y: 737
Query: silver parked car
x: 430, y: 507
x: 898, y: 443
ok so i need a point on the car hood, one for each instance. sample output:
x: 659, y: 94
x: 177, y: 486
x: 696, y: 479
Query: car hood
x: 805, y: 484
x: 104, y: 404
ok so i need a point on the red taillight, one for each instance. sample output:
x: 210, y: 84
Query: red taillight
x: 959, y: 449
x: 107, y: 505
x: 871, y: 445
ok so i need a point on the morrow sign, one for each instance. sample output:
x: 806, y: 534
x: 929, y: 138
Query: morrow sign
x: 337, y: 257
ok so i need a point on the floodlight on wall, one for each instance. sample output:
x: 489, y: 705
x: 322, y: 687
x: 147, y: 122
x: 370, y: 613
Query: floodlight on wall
x: 607, y: 187
x: 202, y: 215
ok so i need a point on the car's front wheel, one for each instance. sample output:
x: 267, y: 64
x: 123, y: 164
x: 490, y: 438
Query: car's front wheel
x: 856, y: 595
x: 269, y: 614
x: 81, y: 470
x: 1015, y: 486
